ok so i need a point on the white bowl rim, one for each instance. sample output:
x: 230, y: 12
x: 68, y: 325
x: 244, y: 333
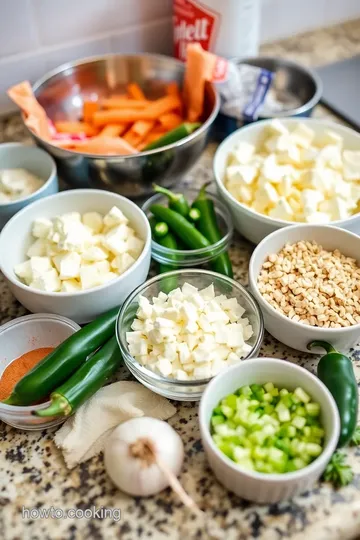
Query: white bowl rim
x: 83, y: 192
x: 25, y: 319
x: 109, y: 56
x: 327, y: 124
x: 124, y: 347
x: 274, y: 477
x: 263, y: 303
x: 28, y: 198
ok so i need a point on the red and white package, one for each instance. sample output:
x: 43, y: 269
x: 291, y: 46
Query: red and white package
x: 228, y: 28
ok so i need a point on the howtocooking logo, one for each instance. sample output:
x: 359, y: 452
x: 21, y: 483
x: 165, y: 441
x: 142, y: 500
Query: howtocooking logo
x: 72, y: 513
x: 193, y: 22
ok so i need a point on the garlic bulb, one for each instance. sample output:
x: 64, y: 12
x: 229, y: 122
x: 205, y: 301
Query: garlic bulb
x: 143, y: 456
x: 132, y: 453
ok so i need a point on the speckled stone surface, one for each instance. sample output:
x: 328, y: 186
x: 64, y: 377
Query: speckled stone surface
x: 33, y: 474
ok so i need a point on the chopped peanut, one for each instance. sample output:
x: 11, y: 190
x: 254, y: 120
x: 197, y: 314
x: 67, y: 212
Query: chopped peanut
x: 312, y: 286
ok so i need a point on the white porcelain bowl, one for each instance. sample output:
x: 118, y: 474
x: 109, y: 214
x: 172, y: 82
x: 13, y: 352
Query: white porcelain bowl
x: 20, y: 336
x: 292, y: 333
x: 82, y: 306
x: 253, y: 225
x: 252, y: 485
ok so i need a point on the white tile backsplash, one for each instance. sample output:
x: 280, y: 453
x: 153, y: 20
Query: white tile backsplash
x: 48, y: 33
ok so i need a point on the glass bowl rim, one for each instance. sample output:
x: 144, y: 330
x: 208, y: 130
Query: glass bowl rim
x: 175, y: 382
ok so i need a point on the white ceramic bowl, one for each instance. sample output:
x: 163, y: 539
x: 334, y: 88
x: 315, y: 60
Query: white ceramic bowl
x: 255, y: 486
x: 82, y: 306
x: 251, y: 224
x: 35, y: 160
x: 22, y: 335
x: 292, y: 333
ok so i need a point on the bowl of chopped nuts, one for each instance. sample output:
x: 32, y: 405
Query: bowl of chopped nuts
x: 306, y: 279
x: 274, y: 173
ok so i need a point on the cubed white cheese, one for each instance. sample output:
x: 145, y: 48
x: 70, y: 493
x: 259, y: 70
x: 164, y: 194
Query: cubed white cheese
x: 68, y: 265
x: 164, y: 366
x: 351, y: 164
x: 243, y: 153
x: 47, y: 281
x: 42, y: 228
x: 135, y: 246
x: 24, y: 271
x: 94, y: 221
x: 203, y: 371
x: 122, y: 262
x: 241, y: 174
x: 37, y: 249
x: 39, y: 265
x: 282, y: 210
x: 70, y: 286
x: 217, y: 366
x: 95, y: 253
x: 115, y: 217
x: 302, y: 135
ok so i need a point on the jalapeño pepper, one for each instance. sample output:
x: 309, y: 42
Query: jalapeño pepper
x: 177, y: 201
x: 335, y: 370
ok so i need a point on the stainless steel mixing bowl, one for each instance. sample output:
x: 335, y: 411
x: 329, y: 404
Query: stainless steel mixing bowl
x: 62, y: 92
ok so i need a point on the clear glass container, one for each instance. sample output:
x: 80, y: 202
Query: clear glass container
x: 172, y: 388
x: 192, y: 257
x: 20, y: 336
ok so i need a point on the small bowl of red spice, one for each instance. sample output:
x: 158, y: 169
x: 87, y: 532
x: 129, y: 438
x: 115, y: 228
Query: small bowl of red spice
x: 24, y: 342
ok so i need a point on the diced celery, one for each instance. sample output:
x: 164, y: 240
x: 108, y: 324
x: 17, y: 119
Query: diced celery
x: 313, y: 409
x: 227, y: 411
x: 299, y: 463
x: 269, y: 386
x: 268, y: 397
x: 217, y: 439
x: 245, y: 391
x: 282, y: 445
x: 231, y: 401
x: 231, y: 423
x: 317, y: 432
x: 240, y: 431
x: 313, y: 449
x: 247, y: 464
x: 300, y: 411
x: 260, y: 453
x: 217, y: 419
x: 226, y: 448
x: 276, y: 456
x: 283, y: 392
x: 282, y: 412
x: 258, y: 437
x: 313, y: 421
x: 299, y: 422
x: 290, y: 467
x: 268, y: 409
x: 307, y: 431
x: 238, y: 419
x: 302, y: 395
x: 241, y: 453
x: 217, y: 410
x: 286, y: 400
x: 254, y: 403
x: 274, y: 392
x: 224, y: 430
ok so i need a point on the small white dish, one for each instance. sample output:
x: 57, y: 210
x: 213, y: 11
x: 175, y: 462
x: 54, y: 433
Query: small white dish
x: 253, y: 225
x: 292, y: 333
x: 82, y: 306
x: 20, y: 336
x: 252, y: 485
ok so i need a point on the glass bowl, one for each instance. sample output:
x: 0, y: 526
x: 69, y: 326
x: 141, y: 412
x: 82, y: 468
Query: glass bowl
x: 192, y: 257
x: 25, y: 334
x: 172, y: 388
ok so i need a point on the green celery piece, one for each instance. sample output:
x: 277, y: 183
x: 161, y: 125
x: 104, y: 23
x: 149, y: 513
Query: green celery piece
x: 302, y: 395
x: 217, y: 419
x: 312, y: 409
x: 217, y: 410
x: 245, y: 391
x: 226, y: 448
x: 268, y: 387
x: 231, y: 401
x: 300, y: 411
x: 227, y: 411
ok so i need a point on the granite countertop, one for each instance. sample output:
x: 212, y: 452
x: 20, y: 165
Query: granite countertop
x: 33, y: 473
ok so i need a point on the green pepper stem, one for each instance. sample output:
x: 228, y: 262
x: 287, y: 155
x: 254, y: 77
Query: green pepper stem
x: 323, y: 344
x: 202, y: 193
x: 59, y: 406
x: 169, y: 194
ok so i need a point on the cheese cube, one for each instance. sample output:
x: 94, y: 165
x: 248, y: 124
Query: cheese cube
x: 116, y: 240
x: 351, y: 164
x: 184, y: 353
x: 137, y: 324
x: 115, y: 217
x: 164, y: 367
x: 181, y: 375
x: 329, y: 137
x: 276, y: 127
x: 89, y: 276
x: 235, y: 335
x: 94, y: 253
x: 330, y: 156
x: 170, y: 351
x: 302, y: 136
x: 241, y: 174
x: 233, y: 359
x: 39, y: 265
x: 336, y: 207
x: 289, y: 155
x: 42, y: 228
x: 75, y: 237
x: 248, y: 332
x: 47, y: 281
x: 145, y: 306
x: 282, y: 210
x: 266, y: 196
x: 310, y: 199
x: 94, y: 221
x: 37, y: 249
x: 122, y: 262
x: 70, y: 286
x: 197, y: 300
x: 188, y: 290
x: 243, y: 153
x: 134, y: 245
x: 24, y: 271
x: 318, y: 218
x: 218, y: 365
x: 203, y: 371
x: 68, y: 265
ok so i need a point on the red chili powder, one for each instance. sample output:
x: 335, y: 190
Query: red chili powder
x: 18, y: 368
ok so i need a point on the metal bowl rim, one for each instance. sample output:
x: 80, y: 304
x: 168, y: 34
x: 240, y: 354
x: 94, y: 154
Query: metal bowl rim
x: 70, y: 65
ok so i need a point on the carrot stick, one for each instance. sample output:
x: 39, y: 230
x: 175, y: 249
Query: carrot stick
x: 135, y: 91
x: 152, y: 112
x: 104, y: 146
x: 172, y: 89
x: 124, y: 103
x: 113, y: 130
x: 89, y: 108
x: 170, y: 120
x: 142, y: 127
x: 75, y: 128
